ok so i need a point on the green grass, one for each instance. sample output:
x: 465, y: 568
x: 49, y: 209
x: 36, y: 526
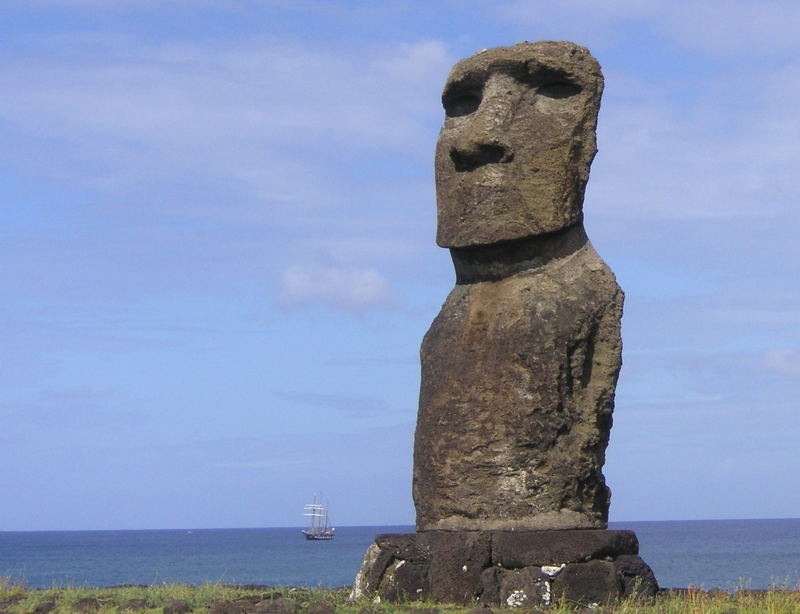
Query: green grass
x: 17, y: 599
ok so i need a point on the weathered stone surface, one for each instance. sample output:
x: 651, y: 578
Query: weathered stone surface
x: 412, y: 580
x: 594, y: 582
x: 226, y: 607
x: 272, y: 606
x: 403, y: 546
x: 519, y: 367
x: 251, y: 600
x: 44, y: 608
x: 636, y: 576
x: 176, y: 606
x: 514, y: 549
x: 513, y: 156
x: 489, y: 591
x: 87, y: 604
x: 405, y: 581
x: 369, y: 575
x: 457, y: 560
x: 495, y: 566
x: 524, y: 588
x: 517, y: 390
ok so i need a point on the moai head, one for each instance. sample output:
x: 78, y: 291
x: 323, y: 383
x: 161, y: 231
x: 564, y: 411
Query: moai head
x: 513, y: 155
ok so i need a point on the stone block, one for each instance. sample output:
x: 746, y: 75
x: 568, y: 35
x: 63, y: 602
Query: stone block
x: 489, y: 591
x: 593, y: 582
x: 412, y: 579
x: 403, y: 546
x: 404, y: 581
x: 638, y: 580
x: 524, y: 588
x: 370, y: 574
x: 513, y: 549
x: 457, y: 560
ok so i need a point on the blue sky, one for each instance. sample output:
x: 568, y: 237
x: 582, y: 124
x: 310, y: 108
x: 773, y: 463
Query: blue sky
x: 217, y: 229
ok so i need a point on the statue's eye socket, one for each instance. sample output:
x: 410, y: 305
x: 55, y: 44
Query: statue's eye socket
x: 461, y: 103
x: 559, y: 89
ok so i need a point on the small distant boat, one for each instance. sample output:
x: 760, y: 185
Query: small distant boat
x: 318, y: 525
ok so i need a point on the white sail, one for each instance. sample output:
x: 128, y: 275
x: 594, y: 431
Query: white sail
x: 319, y: 527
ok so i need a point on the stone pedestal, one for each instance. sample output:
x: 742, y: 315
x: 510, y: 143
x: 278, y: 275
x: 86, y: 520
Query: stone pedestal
x: 523, y: 568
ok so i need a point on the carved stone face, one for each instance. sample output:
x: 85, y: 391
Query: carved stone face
x: 513, y: 155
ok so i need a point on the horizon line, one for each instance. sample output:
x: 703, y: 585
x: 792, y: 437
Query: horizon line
x: 355, y: 526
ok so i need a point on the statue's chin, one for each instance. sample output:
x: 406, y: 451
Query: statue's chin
x: 480, y: 213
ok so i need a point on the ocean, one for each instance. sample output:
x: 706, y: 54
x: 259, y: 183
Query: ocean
x: 713, y: 553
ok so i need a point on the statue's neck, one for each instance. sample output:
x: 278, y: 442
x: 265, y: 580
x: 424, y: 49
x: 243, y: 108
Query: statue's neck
x: 499, y: 260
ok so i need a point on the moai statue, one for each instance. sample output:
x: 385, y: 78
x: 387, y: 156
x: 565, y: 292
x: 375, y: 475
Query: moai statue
x: 520, y: 366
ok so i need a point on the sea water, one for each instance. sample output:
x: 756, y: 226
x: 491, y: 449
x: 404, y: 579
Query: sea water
x: 723, y: 553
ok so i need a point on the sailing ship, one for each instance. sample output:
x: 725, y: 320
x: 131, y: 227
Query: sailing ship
x: 318, y: 524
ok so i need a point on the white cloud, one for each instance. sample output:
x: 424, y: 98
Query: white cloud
x: 300, y: 146
x: 253, y: 114
x: 340, y: 288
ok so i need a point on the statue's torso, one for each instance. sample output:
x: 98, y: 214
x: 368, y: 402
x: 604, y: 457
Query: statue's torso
x: 518, y: 380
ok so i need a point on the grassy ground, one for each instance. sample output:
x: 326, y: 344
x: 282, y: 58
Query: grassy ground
x: 219, y: 599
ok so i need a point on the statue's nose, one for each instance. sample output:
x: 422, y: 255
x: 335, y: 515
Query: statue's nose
x: 480, y: 139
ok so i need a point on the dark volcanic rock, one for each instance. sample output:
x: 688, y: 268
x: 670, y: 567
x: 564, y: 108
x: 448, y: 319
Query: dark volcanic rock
x: 373, y: 567
x: 276, y: 605
x: 489, y: 590
x: 404, y: 581
x: 403, y: 546
x: 523, y: 548
x: 411, y: 579
x: 595, y: 582
x: 491, y: 567
x: 87, y: 604
x: 133, y: 605
x: 637, y: 578
x: 227, y: 607
x: 44, y: 608
x: 523, y: 587
x: 176, y: 606
x: 457, y: 560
